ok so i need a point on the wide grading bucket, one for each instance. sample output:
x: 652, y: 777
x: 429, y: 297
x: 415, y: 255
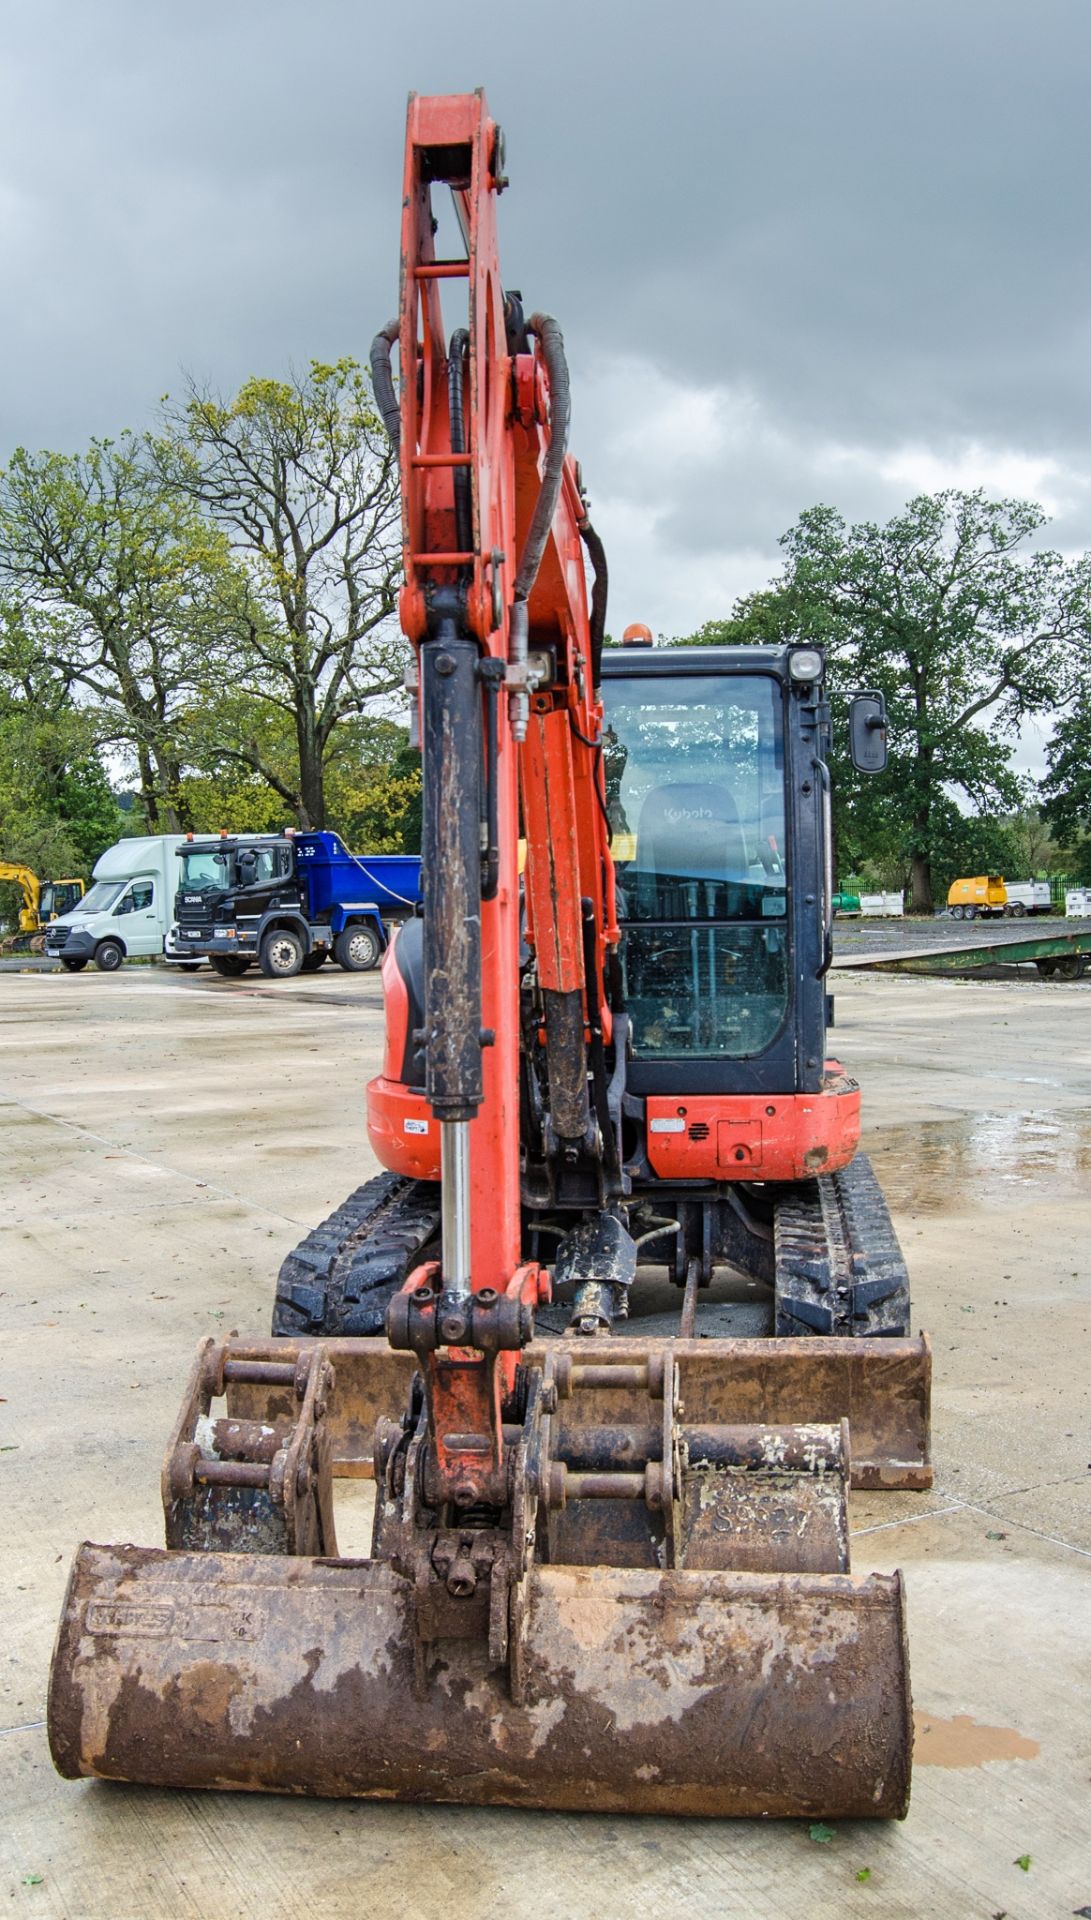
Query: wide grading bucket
x: 678, y: 1692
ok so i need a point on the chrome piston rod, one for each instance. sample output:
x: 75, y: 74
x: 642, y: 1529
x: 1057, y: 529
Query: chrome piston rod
x: 454, y: 1149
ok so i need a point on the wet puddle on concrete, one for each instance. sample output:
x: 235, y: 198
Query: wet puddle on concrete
x: 965, y: 1742
x: 989, y: 1157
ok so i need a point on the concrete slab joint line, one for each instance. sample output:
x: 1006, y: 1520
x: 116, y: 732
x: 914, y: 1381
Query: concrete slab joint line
x: 1000, y: 1630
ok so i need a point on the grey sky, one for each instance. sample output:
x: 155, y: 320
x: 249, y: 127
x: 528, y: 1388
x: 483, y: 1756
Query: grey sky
x: 801, y: 249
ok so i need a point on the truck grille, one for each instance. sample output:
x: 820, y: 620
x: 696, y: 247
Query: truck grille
x: 57, y: 937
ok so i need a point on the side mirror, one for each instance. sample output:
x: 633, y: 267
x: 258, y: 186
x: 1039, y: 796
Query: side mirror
x: 867, y: 732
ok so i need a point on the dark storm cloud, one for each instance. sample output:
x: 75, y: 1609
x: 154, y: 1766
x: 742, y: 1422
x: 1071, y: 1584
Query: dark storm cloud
x: 788, y: 240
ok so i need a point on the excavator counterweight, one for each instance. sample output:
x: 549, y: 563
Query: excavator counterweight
x: 609, y: 1564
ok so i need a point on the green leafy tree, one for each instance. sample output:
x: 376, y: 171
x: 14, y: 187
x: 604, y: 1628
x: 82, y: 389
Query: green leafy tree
x: 375, y: 788
x: 966, y: 844
x: 961, y: 624
x: 301, y: 480
x: 57, y: 810
x: 112, y: 571
x: 232, y: 801
x: 1067, y: 786
x: 1034, y: 851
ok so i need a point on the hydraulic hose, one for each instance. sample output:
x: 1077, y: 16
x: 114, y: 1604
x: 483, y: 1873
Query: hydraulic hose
x: 552, y: 344
x: 382, y: 380
x: 599, y: 587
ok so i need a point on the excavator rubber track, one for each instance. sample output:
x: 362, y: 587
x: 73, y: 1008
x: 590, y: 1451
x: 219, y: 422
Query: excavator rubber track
x: 839, y: 1267
x: 341, y: 1276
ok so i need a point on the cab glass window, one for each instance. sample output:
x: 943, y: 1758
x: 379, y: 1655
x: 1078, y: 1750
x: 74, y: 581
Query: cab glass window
x: 695, y: 790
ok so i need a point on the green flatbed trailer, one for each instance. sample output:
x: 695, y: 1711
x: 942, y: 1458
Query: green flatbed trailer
x: 1060, y: 956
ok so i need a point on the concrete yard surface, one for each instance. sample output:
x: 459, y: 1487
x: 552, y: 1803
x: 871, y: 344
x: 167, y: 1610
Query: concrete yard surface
x: 167, y: 1140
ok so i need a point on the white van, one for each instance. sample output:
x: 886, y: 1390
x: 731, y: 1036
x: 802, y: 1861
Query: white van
x: 128, y: 909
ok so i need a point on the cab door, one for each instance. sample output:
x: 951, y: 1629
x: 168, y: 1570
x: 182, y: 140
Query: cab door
x: 139, y: 918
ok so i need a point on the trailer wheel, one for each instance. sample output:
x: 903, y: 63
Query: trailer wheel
x: 1017, y: 909
x: 108, y: 956
x: 73, y: 966
x: 1071, y: 966
x: 281, y: 954
x: 230, y: 966
x: 956, y: 913
x: 969, y: 913
x: 358, y: 948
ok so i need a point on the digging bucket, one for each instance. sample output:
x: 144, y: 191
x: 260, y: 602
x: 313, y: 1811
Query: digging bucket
x: 677, y: 1692
x: 882, y: 1387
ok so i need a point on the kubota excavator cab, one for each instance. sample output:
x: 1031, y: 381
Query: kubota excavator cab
x: 718, y: 795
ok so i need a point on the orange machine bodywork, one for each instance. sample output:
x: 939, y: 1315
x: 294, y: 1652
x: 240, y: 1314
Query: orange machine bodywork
x: 791, y: 1136
x: 756, y: 1136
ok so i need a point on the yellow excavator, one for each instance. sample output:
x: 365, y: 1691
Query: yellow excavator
x: 43, y: 901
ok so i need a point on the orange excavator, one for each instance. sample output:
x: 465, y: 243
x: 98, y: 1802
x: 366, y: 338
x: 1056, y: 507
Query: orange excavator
x: 609, y: 1565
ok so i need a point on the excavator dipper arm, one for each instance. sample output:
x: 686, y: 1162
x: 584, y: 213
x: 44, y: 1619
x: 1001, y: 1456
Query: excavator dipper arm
x: 507, y: 649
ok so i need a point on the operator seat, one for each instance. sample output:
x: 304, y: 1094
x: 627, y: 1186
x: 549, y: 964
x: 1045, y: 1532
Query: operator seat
x: 409, y: 960
x: 690, y: 844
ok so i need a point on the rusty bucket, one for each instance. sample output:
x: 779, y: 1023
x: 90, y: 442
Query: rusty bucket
x: 663, y: 1623
x: 679, y: 1692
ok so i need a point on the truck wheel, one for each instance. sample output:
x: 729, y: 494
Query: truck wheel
x: 108, y: 956
x: 314, y: 960
x: 230, y: 966
x: 358, y: 948
x: 281, y: 954
x: 73, y: 966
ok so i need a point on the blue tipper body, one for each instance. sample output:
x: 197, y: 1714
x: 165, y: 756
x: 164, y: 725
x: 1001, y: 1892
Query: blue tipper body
x: 341, y: 884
